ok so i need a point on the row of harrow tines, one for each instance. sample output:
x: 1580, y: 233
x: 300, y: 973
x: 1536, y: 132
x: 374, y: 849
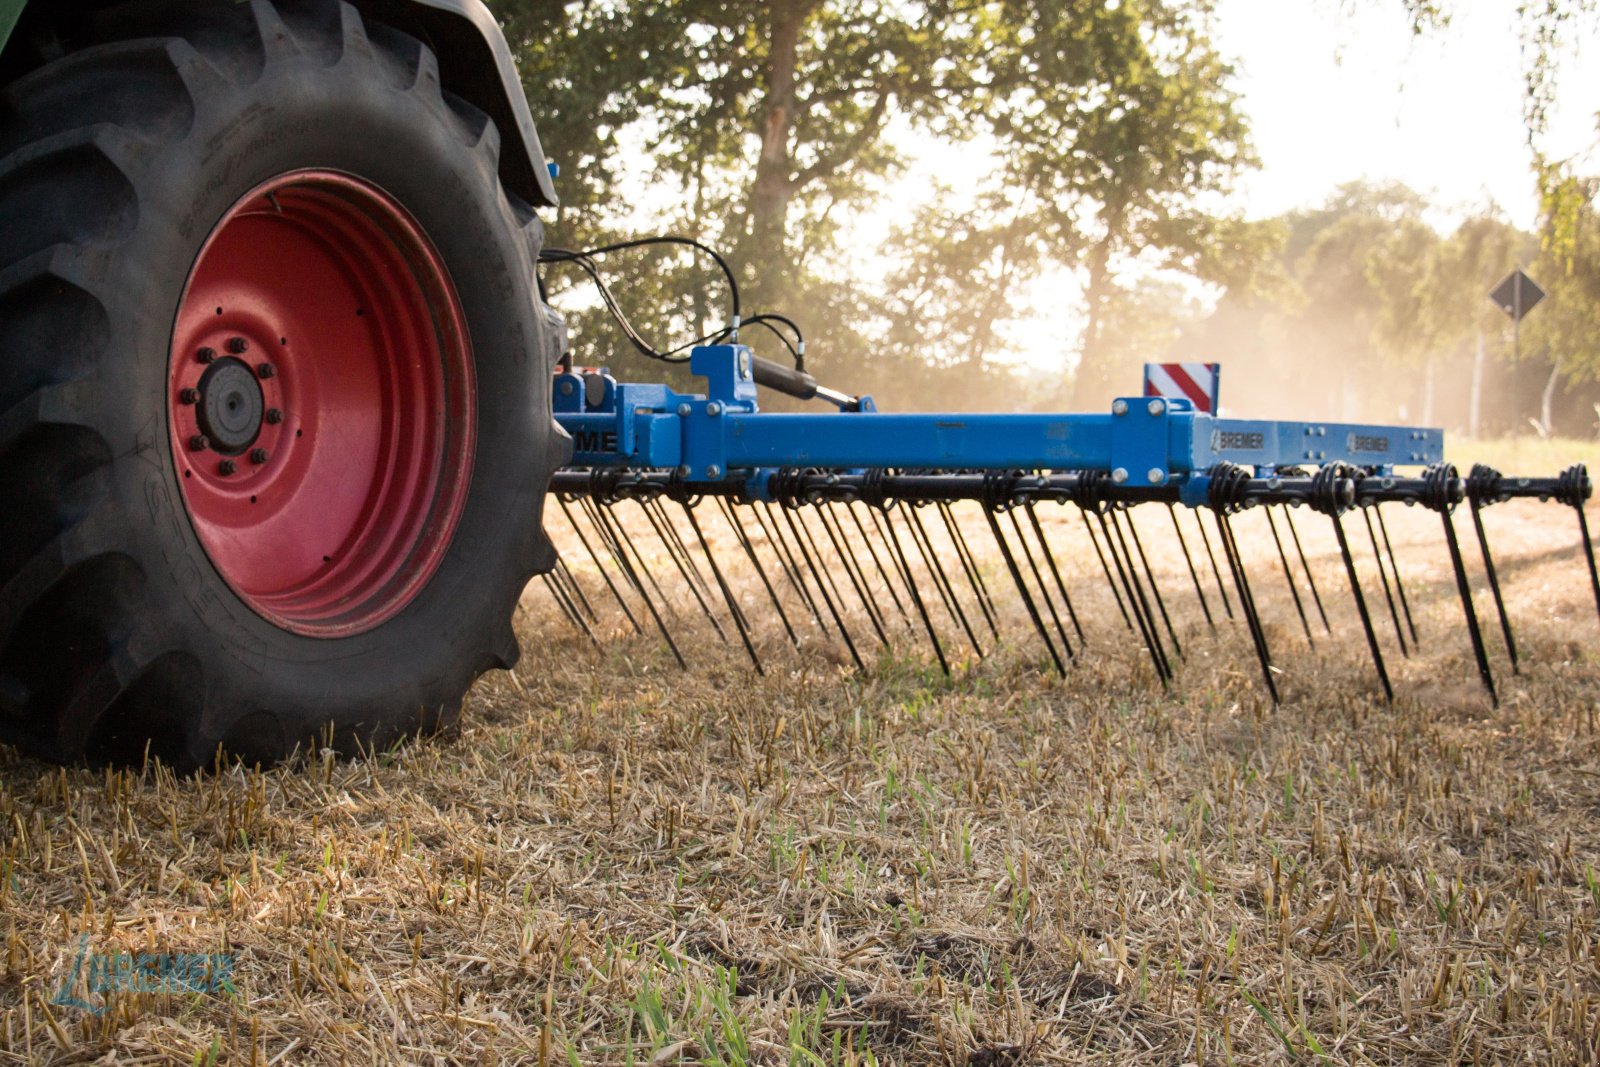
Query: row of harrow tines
x: 868, y: 530
x: 877, y: 557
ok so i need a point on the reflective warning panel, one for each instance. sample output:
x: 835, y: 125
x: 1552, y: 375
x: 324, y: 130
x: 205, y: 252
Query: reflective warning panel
x: 1198, y: 383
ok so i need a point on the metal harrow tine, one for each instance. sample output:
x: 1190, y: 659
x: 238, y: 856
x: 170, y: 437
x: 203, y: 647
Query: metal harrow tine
x: 611, y: 585
x: 743, y: 538
x: 569, y: 609
x: 628, y: 570
x: 969, y: 564
x: 1136, y: 598
x: 564, y: 574
x: 668, y: 532
x: 739, y: 621
x: 877, y: 563
x: 1574, y: 489
x: 1394, y: 565
x: 1305, y: 565
x: 1247, y: 602
x: 820, y: 571
x: 1383, y: 577
x: 1194, y: 575
x: 1216, y: 572
x: 1334, y: 493
x: 1288, y: 576
x: 833, y: 609
x: 911, y: 587
x: 1442, y: 491
x: 1104, y: 566
x: 1044, y: 590
x: 1155, y: 587
x: 1061, y: 587
x: 621, y: 545
x: 1480, y: 488
x: 685, y: 566
x: 941, y: 580
x: 1022, y: 589
x: 788, y: 560
x: 848, y: 561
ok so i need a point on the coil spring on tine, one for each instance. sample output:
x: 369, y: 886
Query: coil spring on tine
x: 1573, y: 486
x: 1483, y: 485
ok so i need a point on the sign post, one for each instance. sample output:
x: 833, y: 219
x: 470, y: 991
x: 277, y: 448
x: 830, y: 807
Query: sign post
x: 1516, y: 295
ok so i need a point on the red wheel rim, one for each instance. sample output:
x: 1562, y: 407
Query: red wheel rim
x: 321, y: 403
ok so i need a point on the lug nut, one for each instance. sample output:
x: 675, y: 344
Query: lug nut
x: 190, y: 396
x: 199, y: 443
x: 206, y: 355
x: 258, y: 456
x: 238, y: 345
x: 226, y: 467
x: 266, y: 370
x: 274, y: 416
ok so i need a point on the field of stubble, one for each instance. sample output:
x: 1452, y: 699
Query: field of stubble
x: 613, y: 860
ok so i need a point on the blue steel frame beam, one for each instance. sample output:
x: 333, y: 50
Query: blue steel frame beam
x: 1143, y: 441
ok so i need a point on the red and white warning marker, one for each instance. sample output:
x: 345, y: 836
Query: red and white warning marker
x: 1198, y: 383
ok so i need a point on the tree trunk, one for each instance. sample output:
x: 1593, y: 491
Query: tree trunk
x: 1547, y: 401
x: 1092, y: 388
x: 765, y: 261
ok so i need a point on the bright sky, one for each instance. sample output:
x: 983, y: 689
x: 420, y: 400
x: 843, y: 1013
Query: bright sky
x: 1341, y: 91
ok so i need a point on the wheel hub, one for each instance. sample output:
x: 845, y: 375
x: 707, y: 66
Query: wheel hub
x: 231, y: 407
x: 322, y: 411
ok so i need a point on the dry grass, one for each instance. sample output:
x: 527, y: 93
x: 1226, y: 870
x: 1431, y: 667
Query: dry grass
x: 614, y: 861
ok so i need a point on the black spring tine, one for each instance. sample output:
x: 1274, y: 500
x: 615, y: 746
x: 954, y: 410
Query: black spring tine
x: 1494, y: 585
x: 1110, y: 581
x: 1194, y: 575
x: 743, y: 538
x: 1305, y: 565
x: 570, y: 609
x: 1050, y: 558
x: 941, y: 579
x: 883, y: 572
x: 1022, y: 588
x: 560, y: 598
x: 1136, y: 598
x: 911, y: 587
x: 1247, y: 603
x: 788, y: 560
x: 1044, y: 590
x: 829, y: 512
x: 574, y: 588
x: 739, y: 621
x: 1588, y: 551
x: 833, y: 610
x: 1155, y: 587
x: 848, y: 561
x: 1383, y: 575
x: 685, y: 567
x: 1394, y: 565
x: 677, y: 544
x: 1464, y: 588
x: 611, y: 585
x: 1216, y: 572
x: 969, y: 564
x: 826, y: 572
x: 625, y: 544
x: 1361, y: 607
x: 1288, y: 576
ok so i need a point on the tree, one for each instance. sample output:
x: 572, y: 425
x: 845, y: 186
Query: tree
x: 769, y: 119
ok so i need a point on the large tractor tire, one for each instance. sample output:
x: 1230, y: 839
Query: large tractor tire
x: 274, y: 389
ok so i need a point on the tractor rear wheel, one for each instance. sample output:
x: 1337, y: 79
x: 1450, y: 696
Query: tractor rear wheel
x: 274, y: 395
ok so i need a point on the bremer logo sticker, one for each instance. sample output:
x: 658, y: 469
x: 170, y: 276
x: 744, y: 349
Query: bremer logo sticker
x: 1236, y: 441
x: 595, y: 441
x: 1364, y: 443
